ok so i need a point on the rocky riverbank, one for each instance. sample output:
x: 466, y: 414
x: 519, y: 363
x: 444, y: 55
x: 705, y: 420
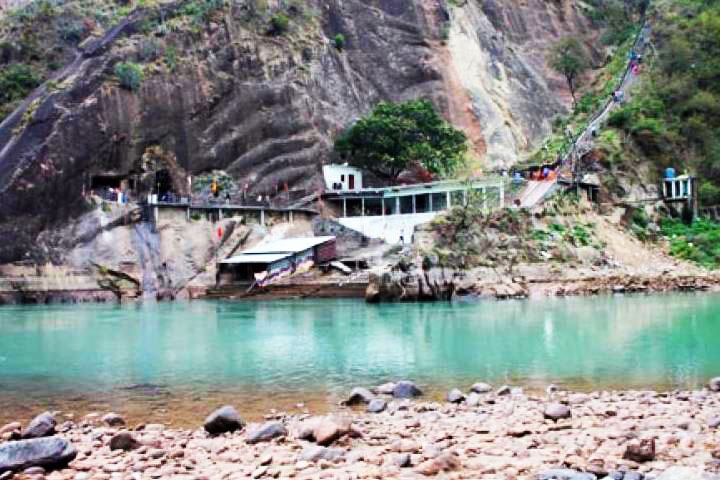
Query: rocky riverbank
x: 386, y: 432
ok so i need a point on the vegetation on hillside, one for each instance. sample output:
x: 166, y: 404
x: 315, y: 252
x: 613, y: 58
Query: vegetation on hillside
x: 395, y: 135
x: 470, y: 235
x: 674, y: 118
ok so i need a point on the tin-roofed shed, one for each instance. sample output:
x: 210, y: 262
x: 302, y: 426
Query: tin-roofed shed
x: 268, y: 261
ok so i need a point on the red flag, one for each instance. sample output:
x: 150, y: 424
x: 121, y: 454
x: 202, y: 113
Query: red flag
x: 220, y: 232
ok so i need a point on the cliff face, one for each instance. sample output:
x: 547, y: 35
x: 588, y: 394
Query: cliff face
x: 227, y: 93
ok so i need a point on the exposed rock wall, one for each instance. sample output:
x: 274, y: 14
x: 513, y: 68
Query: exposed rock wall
x: 266, y: 108
x: 499, y: 50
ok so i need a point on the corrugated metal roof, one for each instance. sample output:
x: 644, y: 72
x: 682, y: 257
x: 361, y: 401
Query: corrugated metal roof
x: 287, y: 245
x: 256, y: 258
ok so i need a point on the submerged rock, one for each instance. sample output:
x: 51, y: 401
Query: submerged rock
x: 358, y: 396
x: 41, y: 426
x: 406, y: 389
x: 455, y: 396
x: 267, y: 432
x: 376, y: 405
x: 225, y: 419
x: 50, y: 452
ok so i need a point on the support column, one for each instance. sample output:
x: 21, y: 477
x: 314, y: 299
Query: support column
x: 362, y: 207
x: 382, y: 206
x: 449, y: 200
x: 397, y: 205
x: 262, y: 217
x: 344, y: 207
x: 220, y: 214
x: 291, y: 217
x: 414, y: 209
x: 430, y: 205
x: 187, y: 214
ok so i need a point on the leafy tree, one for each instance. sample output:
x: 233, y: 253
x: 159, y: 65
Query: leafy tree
x: 340, y: 41
x: 568, y: 58
x: 396, y: 134
x: 130, y: 75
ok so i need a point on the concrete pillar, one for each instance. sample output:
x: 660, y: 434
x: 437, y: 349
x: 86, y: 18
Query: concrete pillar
x: 220, y: 214
x: 362, y: 207
x: 397, y: 205
x: 449, y: 200
x: 430, y: 205
x: 344, y: 207
x: 187, y: 214
x: 262, y: 217
x: 414, y: 210
x: 382, y: 206
x: 290, y: 214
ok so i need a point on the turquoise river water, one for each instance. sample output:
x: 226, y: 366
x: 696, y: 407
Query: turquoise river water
x: 174, y: 362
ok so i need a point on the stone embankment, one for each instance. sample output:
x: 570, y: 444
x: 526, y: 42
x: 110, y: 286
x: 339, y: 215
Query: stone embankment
x: 387, y: 432
x: 436, y: 284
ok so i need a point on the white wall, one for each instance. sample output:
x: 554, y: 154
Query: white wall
x: 341, y: 174
x: 388, y: 227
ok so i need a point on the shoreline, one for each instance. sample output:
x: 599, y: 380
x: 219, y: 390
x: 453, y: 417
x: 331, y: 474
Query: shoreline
x: 499, y: 289
x: 498, y: 434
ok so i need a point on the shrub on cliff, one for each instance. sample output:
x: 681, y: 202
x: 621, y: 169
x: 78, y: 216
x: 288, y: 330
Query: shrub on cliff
x: 279, y: 24
x: 130, y: 75
x: 339, y: 41
x: 395, y: 135
x: 16, y: 81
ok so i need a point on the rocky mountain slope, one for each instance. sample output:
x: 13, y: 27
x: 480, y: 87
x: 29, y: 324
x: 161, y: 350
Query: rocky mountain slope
x: 232, y: 87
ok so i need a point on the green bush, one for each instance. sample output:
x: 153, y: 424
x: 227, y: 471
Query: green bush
x: 339, y: 41
x: 130, y: 75
x: 16, y: 81
x: 280, y: 23
x: 698, y: 242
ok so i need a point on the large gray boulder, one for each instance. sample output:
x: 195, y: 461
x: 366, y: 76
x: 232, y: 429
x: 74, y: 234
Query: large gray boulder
x: 41, y: 426
x: 714, y: 384
x: 455, y: 396
x: 376, y: 405
x: 557, y: 411
x: 48, y: 452
x: 266, y: 432
x: 481, y: 387
x: 359, y: 396
x: 406, y: 389
x: 124, y: 441
x: 225, y: 419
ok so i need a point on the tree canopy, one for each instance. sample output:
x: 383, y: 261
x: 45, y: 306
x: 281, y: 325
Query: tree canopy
x: 394, y: 135
x: 568, y: 58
